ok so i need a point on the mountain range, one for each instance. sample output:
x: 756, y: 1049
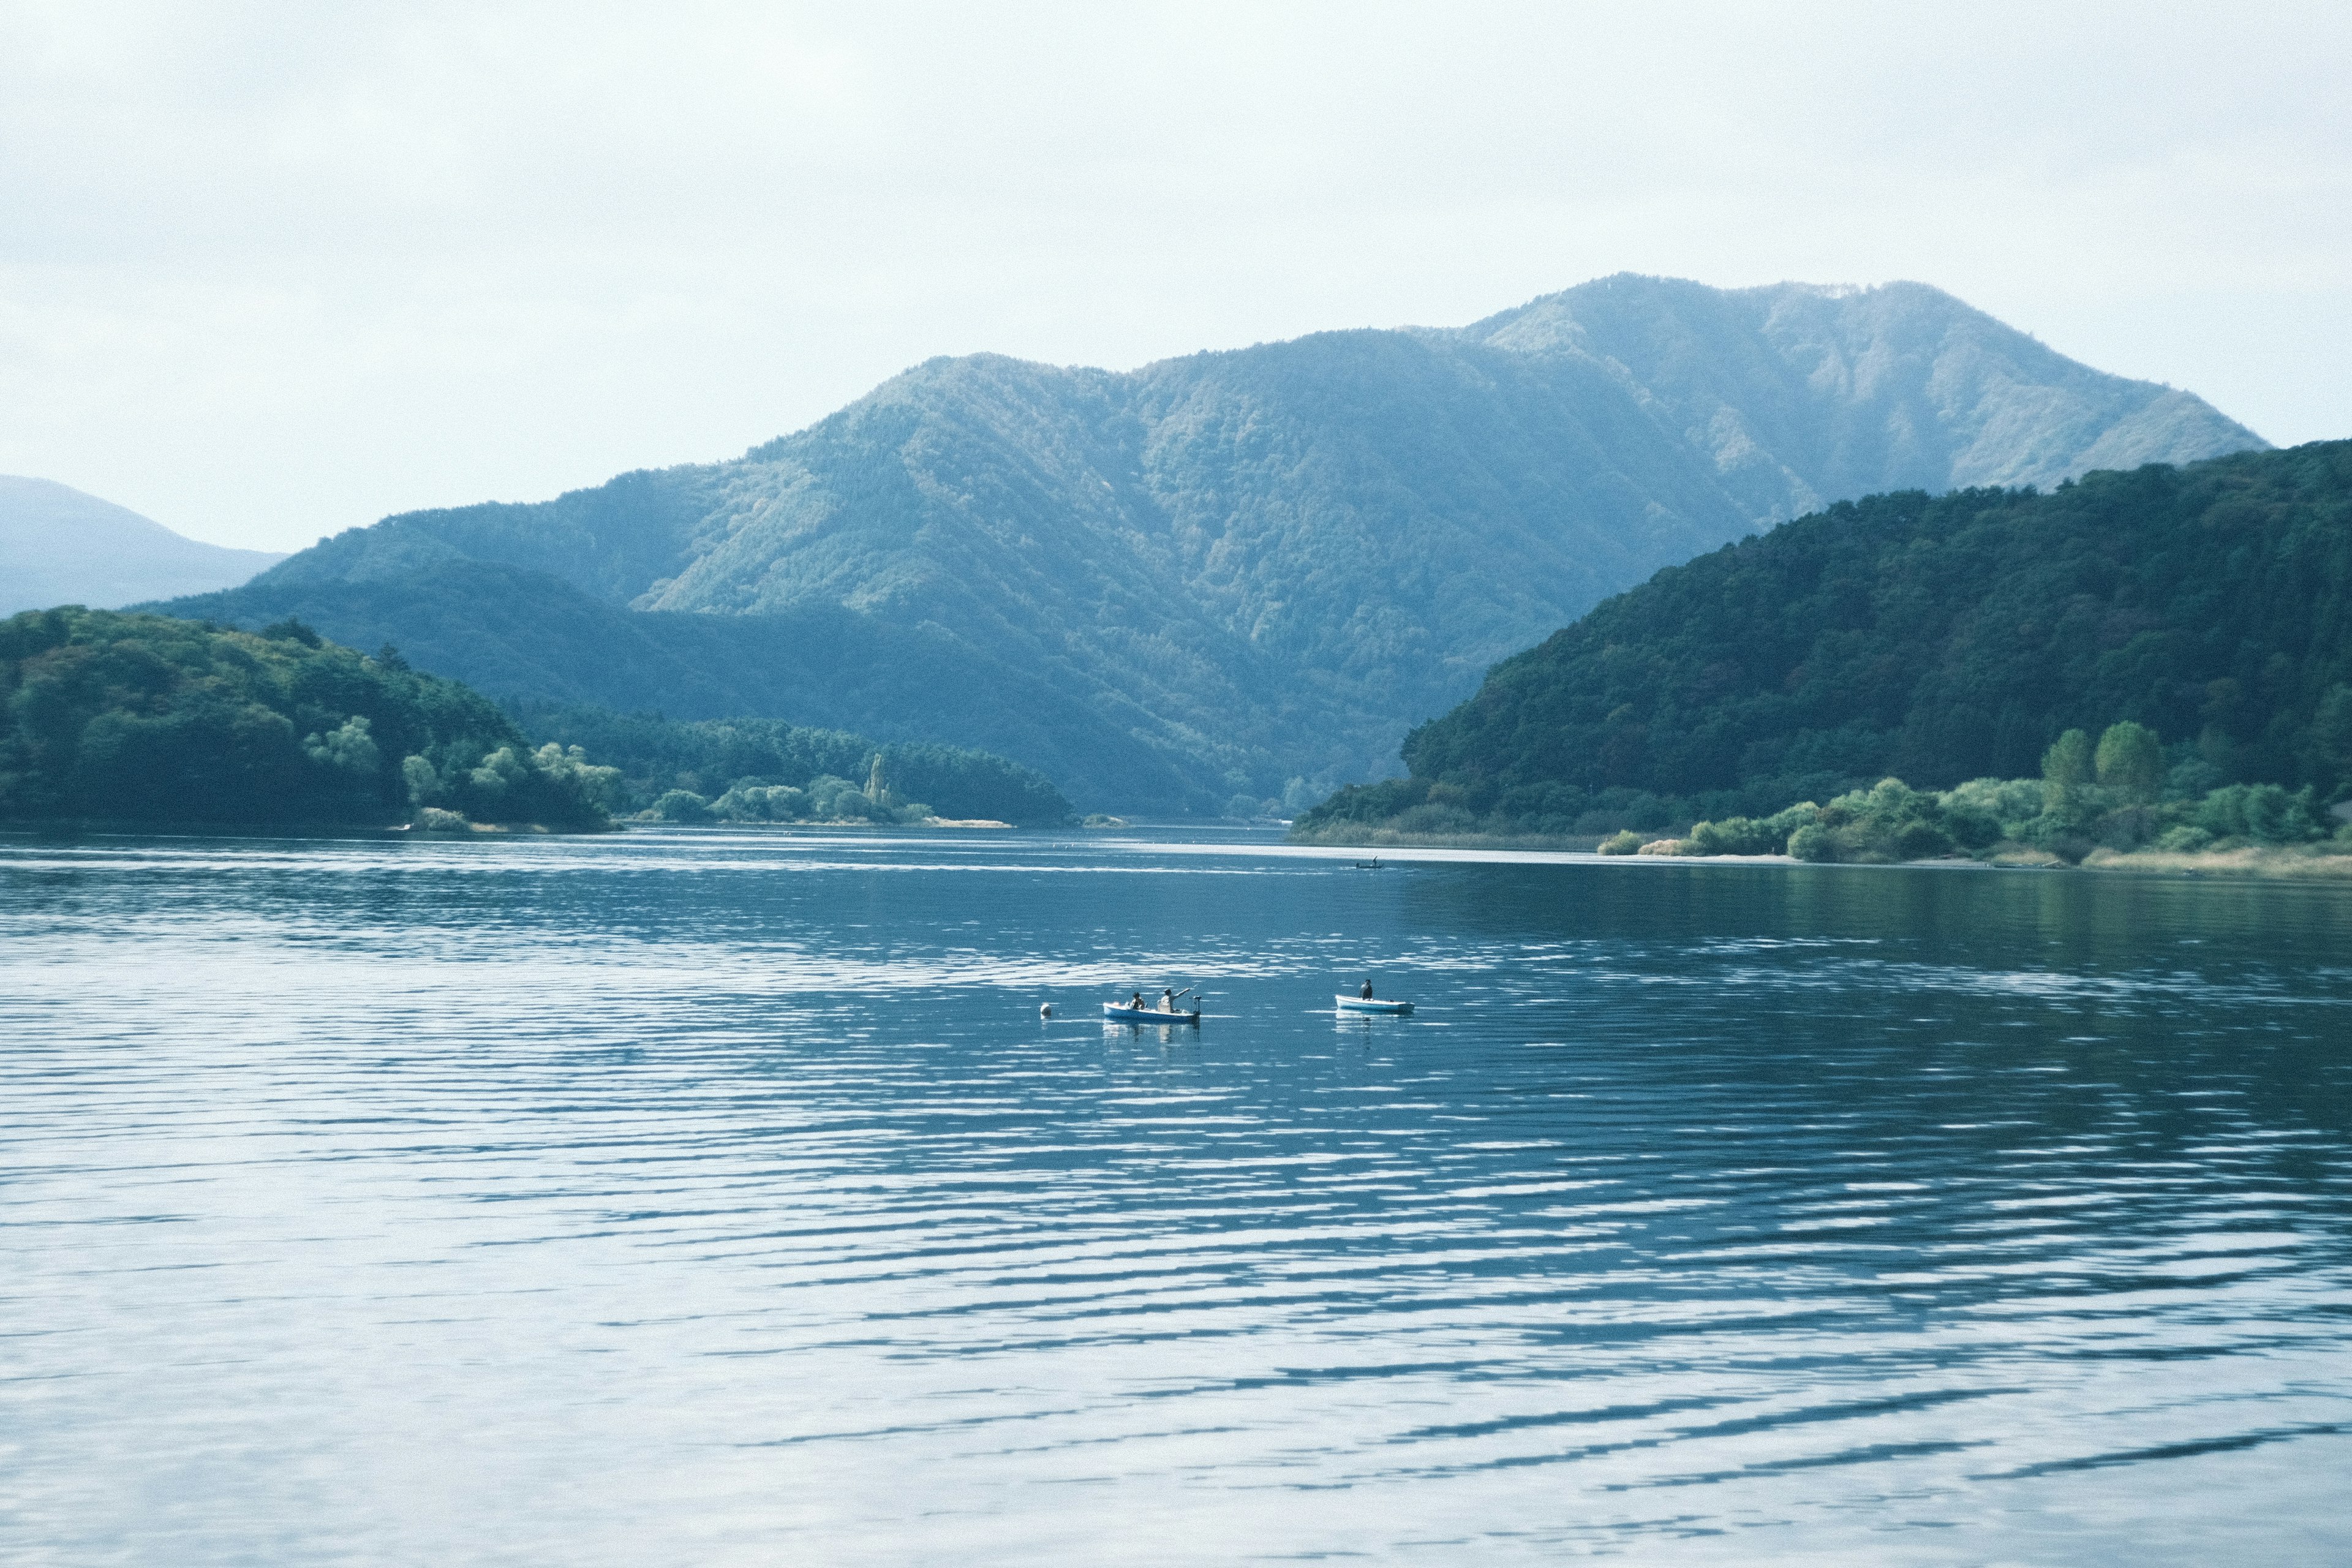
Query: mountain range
x: 1229, y: 576
x: 58, y: 546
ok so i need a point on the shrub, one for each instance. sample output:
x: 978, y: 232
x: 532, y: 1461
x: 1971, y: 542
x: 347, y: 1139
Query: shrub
x: 1624, y: 841
x: 1812, y: 842
x: 1734, y: 835
x: 2264, y: 813
x: 682, y: 805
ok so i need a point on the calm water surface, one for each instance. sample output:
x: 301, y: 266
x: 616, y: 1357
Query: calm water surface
x: 704, y: 1197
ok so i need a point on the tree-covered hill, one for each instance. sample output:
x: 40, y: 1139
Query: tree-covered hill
x: 1933, y: 638
x: 1231, y: 575
x: 145, y: 719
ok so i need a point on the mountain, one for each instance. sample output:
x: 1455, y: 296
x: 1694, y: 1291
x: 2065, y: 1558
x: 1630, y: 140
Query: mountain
x: 1933, y: 638
x: 1236, y: 573
x: 58, y: 546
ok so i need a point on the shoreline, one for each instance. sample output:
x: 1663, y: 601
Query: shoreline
x: 2287, y: 863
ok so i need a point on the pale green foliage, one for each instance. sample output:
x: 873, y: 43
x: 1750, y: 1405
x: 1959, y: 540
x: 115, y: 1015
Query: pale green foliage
x: 498, y: 772
x: 2130, y: 761
x: 423, y: 783
x: 570, y: 764
x: 827, y: 798
x: 349, y: 747
x: 747, y: 800
x: 680, y: 805
x: 2068, y: 763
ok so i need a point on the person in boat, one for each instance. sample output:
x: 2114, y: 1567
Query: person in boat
x: 1137, y: 1002
x: 1167, y: 999
x: 1366, y: 994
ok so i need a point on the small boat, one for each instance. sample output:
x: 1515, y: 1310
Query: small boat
x: 1119, y: 1012
x: 1360, y: 1005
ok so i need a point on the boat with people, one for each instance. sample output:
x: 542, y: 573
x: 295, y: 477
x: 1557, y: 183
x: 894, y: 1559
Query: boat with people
x: 1135, y: 1010
x: 1367, y: 1005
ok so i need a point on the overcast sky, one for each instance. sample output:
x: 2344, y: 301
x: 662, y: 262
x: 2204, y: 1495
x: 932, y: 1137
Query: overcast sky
x: 267, y: 271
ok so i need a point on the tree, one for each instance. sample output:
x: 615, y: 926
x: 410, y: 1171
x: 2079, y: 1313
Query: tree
x: 2331, y: 739
x: 2130, y: 761
x: 2068, y: 762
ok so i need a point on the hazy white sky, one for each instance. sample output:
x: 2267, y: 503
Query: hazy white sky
x: 268, y: 270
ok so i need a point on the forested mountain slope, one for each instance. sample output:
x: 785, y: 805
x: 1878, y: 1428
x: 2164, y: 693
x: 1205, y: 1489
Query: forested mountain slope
x: 1936, y: 639
x: 1235, y: 571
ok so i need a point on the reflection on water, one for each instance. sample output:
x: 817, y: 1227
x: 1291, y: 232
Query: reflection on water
x: 703, y: 1197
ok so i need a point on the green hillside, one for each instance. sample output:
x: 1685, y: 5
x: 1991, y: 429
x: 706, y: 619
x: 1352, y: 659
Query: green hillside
x: 143, y: 718
x: 1231, y: 575
x: 1933, y: 639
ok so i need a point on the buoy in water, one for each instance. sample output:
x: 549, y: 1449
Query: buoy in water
x: 1044, y: 1009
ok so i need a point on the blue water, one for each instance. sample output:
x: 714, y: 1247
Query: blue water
x: 699, y: 1197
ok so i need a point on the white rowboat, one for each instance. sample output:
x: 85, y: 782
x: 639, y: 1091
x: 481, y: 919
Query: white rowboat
x: 1359, y: 1004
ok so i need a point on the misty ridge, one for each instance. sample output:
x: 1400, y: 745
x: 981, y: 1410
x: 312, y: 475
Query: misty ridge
x: 59, y: 546
x: 1230, y: 581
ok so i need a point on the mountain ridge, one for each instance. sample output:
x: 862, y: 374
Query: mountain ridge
x: 1262, y: 565
x: 62, y: 545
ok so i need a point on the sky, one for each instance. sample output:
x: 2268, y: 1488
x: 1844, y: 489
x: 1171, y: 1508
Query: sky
x: 267, y: 271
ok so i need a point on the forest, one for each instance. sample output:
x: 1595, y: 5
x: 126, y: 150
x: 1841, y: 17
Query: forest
x: 1939, y: 640
x: 139, y: 719
x: 765, y: 770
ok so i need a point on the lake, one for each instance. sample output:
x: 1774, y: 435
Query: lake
x: 700, y: 1196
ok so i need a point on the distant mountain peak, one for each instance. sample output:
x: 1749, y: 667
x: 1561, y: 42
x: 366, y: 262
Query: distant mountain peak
x: 59, y: 545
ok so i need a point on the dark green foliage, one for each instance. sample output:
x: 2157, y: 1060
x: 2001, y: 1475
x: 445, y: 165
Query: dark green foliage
x: 147, y: 719
x: 2263, y: 814
x: 1940, y: 640
x: 736, y: 765
x: 1230, y: 576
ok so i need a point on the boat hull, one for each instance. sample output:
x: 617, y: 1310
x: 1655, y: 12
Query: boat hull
x: 1116, y: 1013
x: 1358, y: 1005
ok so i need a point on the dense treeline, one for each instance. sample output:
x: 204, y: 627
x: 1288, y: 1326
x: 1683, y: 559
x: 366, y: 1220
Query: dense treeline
x: 146, y: 718
x: 1933, y: 639
x: 766, y: 770
x: 2116, y: 795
